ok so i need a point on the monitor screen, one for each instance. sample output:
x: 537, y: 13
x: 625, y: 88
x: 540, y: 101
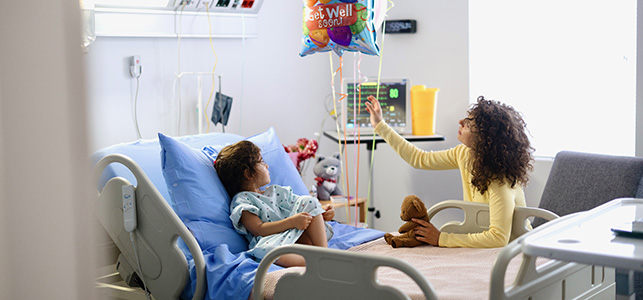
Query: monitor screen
x: 393, y: 97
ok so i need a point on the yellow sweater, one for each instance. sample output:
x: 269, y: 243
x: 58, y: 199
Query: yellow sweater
x: 500, y: 196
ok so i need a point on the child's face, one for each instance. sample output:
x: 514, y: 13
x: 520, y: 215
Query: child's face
x: 262, y: 175
x: 465, y: 136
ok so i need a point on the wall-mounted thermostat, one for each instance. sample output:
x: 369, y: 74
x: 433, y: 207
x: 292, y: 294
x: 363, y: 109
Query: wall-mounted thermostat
x: 400, y: 26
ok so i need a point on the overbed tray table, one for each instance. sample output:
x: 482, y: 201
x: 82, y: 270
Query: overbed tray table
x: 587, y: 237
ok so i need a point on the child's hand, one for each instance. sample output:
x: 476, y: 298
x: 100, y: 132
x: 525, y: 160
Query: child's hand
x: 301, y: 220
x: 329, y: 212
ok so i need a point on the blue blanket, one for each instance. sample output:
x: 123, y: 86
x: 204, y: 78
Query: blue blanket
x: 231, y: 276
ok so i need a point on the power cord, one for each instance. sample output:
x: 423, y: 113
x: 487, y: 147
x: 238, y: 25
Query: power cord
x: 138, y: 131
x: 136, y: 69
x: 140, y: 270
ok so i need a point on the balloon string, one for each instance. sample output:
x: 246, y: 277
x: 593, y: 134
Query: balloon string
x: 379, y: 76
x: 348, y: 192
x: 333, y: 72
x: 355, y: 136
x: 359, y: 111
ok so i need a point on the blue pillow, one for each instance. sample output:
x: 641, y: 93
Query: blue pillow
x: 199, y: 198
x: 145, y: 154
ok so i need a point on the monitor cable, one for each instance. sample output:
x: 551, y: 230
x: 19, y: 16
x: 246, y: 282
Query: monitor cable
x: 178, y: 76
x: 216, y: 60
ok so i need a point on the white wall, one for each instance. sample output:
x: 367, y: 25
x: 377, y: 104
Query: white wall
x: 273, y: 86
x: 280, y: 89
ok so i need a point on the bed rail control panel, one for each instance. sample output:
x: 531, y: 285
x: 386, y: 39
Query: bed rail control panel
x: 129, y: 208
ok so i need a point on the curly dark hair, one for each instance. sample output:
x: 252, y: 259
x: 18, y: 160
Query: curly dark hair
x: 501, y: 149
x: 232, y: 163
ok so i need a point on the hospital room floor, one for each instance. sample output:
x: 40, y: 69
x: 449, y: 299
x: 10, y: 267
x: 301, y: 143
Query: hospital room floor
x: 111, y: 285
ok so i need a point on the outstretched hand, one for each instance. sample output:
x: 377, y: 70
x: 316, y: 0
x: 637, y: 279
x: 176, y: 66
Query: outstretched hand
x: 373, y: 107
x: 426, y: 232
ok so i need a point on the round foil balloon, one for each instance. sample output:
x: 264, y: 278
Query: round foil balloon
x: 339, y: 25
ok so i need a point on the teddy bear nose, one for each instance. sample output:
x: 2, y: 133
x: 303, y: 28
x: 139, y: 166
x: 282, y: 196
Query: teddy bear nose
x: 331, y: 171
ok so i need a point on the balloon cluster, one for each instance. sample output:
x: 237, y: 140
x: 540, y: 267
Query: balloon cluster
x: 339, y: 25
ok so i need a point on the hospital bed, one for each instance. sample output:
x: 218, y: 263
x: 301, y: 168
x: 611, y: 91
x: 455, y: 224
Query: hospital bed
x: 185, y: 247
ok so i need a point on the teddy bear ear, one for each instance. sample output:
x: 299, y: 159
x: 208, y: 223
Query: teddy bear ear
x: 336, y: 155
x: 320, y: 158
x: 418, y: 204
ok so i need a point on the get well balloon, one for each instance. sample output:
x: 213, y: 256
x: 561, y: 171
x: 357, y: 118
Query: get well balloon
x: 338, y: 25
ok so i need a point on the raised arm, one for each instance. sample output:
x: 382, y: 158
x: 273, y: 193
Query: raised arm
x: 373, y: 107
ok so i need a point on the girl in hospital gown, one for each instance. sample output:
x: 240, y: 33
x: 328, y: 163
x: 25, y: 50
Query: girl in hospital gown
x: 276, y: 203
x: 272, y: 217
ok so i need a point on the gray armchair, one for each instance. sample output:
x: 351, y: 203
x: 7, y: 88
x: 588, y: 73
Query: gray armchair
x: 581, y: 181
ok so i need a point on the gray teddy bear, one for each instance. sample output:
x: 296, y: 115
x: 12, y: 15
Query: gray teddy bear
x: 327, y: 171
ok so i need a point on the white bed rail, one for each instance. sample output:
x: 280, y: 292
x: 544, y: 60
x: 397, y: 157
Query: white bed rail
x: 336, y: 274
x: 476, y: 217
x: 163, y: 265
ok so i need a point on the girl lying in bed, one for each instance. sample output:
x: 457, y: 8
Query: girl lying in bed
x: 274, y: 216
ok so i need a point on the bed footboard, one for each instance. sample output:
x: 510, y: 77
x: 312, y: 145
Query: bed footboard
x: 336, y: 274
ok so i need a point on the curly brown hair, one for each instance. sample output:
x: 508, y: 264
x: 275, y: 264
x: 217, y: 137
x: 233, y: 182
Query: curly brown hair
x: 232, y: 163
x: 501, y: 148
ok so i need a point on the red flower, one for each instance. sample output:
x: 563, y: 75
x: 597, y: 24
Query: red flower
x: 304, y: 148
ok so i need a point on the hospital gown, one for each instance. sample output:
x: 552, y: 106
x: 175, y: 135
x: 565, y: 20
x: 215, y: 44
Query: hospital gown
x: 275, y: 204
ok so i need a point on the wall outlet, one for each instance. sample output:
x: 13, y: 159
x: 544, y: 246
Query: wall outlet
x: 135, y: 66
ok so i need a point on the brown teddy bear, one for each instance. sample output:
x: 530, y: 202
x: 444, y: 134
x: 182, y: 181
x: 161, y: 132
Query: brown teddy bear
x: 412, y: 207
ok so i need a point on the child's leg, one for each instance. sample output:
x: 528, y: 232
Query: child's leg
x: 304, y: 239
x: 316, y: 232
x: 291, y: 260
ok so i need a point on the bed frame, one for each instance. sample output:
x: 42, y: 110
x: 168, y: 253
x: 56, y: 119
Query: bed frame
x: 166, y: 271
x: 163, y: 265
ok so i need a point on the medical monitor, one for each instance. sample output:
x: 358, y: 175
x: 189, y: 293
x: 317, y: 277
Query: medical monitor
x: 394, y: 97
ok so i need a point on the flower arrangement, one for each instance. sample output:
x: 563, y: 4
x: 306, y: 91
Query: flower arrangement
x: 301, y: 152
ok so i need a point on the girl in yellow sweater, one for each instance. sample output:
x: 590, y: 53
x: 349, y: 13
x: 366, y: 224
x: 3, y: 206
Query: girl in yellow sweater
x: 494, y: 160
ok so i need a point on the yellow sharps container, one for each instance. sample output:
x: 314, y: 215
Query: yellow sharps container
x: 423, y: 104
